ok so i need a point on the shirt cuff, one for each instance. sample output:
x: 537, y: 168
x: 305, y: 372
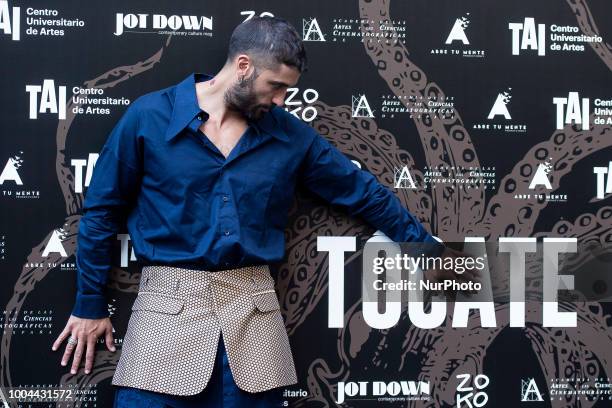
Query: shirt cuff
x: 434, y: 248
x: 90, y: 307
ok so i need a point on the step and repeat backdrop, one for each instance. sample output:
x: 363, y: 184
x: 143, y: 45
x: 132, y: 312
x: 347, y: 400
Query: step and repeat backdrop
x: 488, y: 119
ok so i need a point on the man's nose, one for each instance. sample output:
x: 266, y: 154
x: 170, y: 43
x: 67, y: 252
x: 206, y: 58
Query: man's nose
x: 279, y: 99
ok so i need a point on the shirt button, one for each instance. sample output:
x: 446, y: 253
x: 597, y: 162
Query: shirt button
x: 199, y: 117
x: 225, y: 198
x: 226, y: 232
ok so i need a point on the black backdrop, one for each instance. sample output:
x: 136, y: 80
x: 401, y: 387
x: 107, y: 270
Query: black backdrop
x: 355, y: 74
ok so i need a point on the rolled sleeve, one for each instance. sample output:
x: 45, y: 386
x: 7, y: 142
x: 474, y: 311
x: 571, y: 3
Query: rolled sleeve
x: 109, y: 198
x: 328, y: 173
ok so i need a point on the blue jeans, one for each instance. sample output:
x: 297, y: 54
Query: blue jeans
x: 221, y: 391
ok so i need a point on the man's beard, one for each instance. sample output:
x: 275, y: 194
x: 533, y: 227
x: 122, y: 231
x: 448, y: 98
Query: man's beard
x: 240, y: 97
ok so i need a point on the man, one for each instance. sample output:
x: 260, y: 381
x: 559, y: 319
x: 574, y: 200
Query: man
x: 203, y: 173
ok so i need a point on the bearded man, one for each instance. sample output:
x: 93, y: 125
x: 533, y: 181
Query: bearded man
x: 203, y: 173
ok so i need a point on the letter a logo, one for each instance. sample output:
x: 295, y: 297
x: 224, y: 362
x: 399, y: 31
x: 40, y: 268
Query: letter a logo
x: 10, y: 171
x: 311, y: 30
x: 458, y: 31
x: 361, y: 107
x: 541, y: 176
x: 403, y: 178
x: 530, y: 391
x: 500, y: 107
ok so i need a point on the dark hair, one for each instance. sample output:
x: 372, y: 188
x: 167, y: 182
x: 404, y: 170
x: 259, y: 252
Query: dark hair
x: 268, y: 41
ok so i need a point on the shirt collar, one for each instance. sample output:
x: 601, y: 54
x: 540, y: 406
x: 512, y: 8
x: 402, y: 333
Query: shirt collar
x: 186, y: 108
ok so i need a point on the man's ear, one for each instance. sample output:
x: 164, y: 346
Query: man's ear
x: 244, y: 63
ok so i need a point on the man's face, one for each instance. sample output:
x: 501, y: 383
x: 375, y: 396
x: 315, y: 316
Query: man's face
x: 255, y: 96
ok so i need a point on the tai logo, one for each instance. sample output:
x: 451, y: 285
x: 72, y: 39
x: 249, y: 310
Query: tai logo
x: 500, y: 107
x: 10, y: 170
x: 311, y: 30
x: 403, y: 178
x: 540, y: 178
x: 527, y: 36
x: 530, y: 391
x: 471, y: 393
x: 603, y: 187
x: 577, y: 110
x: 162, y: 22
x: 9, y: 20
x: 360, y: 108
x: 78, y: 165
x: 51, y: 99
x: 458, y: 31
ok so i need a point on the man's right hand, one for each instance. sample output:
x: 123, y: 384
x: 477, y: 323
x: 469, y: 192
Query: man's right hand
x: 86, y: 332
x: 439, y: 275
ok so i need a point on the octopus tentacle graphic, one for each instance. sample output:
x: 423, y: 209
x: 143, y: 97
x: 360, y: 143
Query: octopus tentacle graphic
x: 447, y: 143
x: 580, y: 352
x: 376, y: 149
x: 444, y: 138
x: 109, y: 79
x: 302, y: 280
x: 587, y: 25
x: 508, y: 217
x: 30, y: 276
x: 450, y: 212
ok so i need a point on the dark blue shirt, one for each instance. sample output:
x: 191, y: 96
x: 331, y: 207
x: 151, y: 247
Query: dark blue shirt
x: 185, y: 204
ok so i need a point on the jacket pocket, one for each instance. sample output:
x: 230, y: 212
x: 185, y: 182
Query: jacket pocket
x: 265, y: 300
x: 158, y: 302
